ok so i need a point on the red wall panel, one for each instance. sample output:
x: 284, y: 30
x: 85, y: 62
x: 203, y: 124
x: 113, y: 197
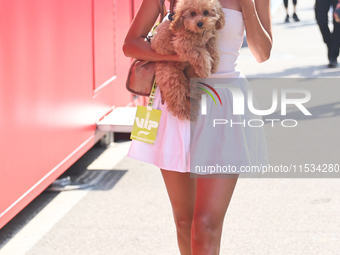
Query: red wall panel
x: 104, y: 25
x: 54, y: 57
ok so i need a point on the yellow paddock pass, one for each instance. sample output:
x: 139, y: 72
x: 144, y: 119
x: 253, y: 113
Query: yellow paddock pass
x: 146, y: 123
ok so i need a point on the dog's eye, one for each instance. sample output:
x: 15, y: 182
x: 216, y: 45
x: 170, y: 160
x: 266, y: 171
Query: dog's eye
x: 205, y: 12
x: 193, y: 14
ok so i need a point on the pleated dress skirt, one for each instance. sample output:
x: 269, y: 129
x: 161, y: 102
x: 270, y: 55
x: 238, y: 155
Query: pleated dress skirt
x: 201, y: 148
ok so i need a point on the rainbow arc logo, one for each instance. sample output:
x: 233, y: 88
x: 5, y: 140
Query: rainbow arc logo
x: 207, y: 91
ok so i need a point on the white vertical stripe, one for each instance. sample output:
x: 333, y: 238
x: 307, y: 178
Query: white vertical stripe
x: 204, y: 104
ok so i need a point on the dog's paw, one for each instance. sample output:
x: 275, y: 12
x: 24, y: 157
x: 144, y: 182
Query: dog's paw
x: 203, y: 72
x: 183, y: 115
x: 214, y: 67
x: 179, y: 110
x: 203, y: 69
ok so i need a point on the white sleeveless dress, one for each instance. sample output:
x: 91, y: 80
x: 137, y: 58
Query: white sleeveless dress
x: 239, y: 146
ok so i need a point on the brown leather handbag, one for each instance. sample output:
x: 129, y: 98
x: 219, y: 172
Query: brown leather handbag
x: 142, y: 73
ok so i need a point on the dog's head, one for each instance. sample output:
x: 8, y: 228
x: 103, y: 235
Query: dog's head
x: 198, y: 16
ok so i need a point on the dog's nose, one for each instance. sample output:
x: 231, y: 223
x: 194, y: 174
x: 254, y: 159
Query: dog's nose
x: 200, y: 24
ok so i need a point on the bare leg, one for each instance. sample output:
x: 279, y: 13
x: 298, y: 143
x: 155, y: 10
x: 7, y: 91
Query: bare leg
x: 181, y: 190
x: 212, y: 200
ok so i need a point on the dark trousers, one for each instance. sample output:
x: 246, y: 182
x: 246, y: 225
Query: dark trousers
x: 285, y: 2
x: 332, y: 40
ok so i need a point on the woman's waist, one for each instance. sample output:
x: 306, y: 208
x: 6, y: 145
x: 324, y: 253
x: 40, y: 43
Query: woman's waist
x: 228, y: 65
x: 227, y: 73
x: 223, y: 80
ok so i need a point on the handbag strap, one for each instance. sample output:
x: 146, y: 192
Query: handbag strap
x: 152, y: 96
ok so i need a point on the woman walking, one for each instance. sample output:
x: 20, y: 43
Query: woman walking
x: 199, y: 204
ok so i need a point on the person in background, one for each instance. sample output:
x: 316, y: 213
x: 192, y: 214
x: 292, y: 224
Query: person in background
x: 295, y: 17
x: 332, y: 39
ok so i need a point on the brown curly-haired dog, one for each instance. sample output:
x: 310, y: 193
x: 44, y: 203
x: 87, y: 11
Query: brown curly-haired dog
x: 193, y: 36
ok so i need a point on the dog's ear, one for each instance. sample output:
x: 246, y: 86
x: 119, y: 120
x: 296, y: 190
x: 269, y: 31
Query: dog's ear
x: 177, y: 22
x: 221, y: 20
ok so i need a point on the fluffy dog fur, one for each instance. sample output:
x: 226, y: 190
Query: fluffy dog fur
x: 193, y: 36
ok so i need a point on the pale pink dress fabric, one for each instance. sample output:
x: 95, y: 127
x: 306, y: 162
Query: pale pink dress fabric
x: 171, y: 150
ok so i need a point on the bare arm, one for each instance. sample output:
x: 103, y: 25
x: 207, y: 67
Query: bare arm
x: 134, y: 44
x: 257, y: 22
